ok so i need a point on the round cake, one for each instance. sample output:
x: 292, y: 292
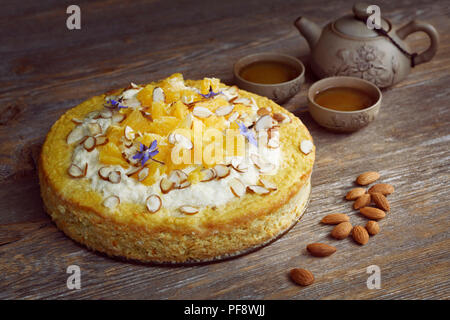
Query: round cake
x: 176, y: 171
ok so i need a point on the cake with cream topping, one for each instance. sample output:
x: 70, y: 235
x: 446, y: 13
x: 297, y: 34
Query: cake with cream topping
x: 176, y: 171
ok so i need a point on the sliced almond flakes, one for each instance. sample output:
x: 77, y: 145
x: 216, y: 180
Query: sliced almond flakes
x: 153, y: 203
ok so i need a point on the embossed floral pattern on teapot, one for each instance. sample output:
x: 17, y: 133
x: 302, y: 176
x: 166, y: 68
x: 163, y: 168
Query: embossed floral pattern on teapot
x: 348, y: 47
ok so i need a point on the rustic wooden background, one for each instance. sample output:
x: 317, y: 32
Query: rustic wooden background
x: 46, y: 69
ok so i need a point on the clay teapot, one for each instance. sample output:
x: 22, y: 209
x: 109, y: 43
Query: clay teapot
x: 348, y: 47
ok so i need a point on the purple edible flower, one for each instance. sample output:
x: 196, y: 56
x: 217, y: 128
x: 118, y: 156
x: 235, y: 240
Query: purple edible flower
x: 117, y: 104
x: 247, y: 133
x: 210, y: 94
x: 147, y: 153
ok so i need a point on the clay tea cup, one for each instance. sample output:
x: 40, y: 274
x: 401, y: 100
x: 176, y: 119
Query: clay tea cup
x: 344, y: 121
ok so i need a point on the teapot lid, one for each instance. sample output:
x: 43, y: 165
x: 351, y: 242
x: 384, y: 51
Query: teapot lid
x: 355, y: 25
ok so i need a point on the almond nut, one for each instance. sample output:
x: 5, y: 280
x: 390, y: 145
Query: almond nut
x: 258, y: 189
x: 360, y: 235
x: 367, y: 178
x: 335, y: 218
x: 189, y: 210
x: 153, y: 203
x: 372, y: 213
x: 342, y: 230
x: 372, y: 227
x: 166, y: 185
x: 306, y: 146
x: 263, y: 112
x: 302, y: 277
x: 111, y: 202
x: 362, y: 201
x: 76, y: 172
x: 320, y: 249
x: 158, y: 95
x: 224, y: 111
x: 383, y: 188
x: 355, y: 193
x: 237, y: 187
x: 381, y: 201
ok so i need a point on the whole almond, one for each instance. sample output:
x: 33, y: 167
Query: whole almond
x: 362, y: 201
x: 367, y: 178
x: 335, y: 218
x: 383, y: 188
x: 320, y: 249
x: 302, y: 277
x: 372, y: 227
x: 360, y: 235
x: 342, y: 230
x: 372, y: 213
x: 381, y: 201
x: 355, y: 193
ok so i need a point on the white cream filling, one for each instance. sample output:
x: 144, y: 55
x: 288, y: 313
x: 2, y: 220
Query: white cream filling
x: 201, y: 194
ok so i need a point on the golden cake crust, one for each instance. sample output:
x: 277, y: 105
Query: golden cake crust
x: 133, y: 233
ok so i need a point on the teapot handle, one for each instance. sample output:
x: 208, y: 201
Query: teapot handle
x: 415, y: 26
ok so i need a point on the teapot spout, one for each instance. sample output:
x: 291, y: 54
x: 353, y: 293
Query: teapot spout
x: 310, y: 30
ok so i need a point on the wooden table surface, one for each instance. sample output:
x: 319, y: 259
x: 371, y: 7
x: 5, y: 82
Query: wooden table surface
x: 45, y: 69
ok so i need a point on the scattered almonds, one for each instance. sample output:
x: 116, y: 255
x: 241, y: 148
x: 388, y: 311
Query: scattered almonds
x: 342, y: 230
x: 372, y: 227
x: 383, y: 188
x: 355, y: 193
x: 320, y: 249
x: 302, y: 277
x: 372, y: 213
x: 343, y: 226
x: 362, y: 201
x: 360, y: 235
x: 335, y: 218
x: 380, y: 201
x: 367, y: 178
